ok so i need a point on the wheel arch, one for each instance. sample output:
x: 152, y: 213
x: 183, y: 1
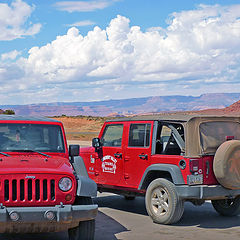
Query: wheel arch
x: 167, y: 171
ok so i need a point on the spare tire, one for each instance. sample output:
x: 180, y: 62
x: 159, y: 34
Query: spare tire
x: 226, y: 164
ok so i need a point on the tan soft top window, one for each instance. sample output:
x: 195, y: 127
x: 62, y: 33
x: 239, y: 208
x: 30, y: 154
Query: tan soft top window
x: 213, y: 134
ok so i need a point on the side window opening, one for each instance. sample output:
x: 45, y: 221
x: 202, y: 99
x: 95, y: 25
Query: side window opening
x: 139, y: 135
x: 112, y: 135
x: 170, y: 139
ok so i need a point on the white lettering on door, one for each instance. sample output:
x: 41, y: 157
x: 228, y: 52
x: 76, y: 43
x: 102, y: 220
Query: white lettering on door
x: 109, y: 164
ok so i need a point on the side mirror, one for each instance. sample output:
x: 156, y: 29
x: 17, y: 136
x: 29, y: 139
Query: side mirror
x: 74, y: 150
x: 96, y: 143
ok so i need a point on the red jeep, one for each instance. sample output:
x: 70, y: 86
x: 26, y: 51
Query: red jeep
x: 44, y: 186
x: 169, y: 159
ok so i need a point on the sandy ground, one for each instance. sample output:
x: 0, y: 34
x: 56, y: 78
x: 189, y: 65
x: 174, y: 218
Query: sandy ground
x: 81, y: 143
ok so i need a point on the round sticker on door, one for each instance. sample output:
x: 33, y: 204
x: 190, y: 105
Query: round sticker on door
x: 109, y: 164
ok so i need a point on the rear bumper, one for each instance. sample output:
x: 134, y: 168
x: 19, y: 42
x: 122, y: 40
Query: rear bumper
x: 34, y: 219
x: 206, y: 192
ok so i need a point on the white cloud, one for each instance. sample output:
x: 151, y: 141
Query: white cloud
x: 199, y: 52
x: 13, y: 19
x: 81, y: 6
x: 81, y: 23
x: 10, y: 55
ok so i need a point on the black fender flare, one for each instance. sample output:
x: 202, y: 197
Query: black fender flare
x: 86, y: 187
x: 173, y: 170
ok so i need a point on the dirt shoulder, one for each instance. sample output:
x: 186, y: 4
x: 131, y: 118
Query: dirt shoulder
x: 81, y: 127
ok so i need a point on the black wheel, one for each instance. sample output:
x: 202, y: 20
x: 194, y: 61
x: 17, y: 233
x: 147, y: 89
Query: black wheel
x: 227, y: 207
x: 86, y: 229
x: 129, y: 198
x: 163, y: 203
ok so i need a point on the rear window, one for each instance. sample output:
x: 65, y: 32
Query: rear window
x: 213, y: 134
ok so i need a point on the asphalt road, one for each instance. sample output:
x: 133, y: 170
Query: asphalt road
x: 128, y: 220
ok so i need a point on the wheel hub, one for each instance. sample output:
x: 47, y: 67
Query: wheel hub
x: 160, y: 201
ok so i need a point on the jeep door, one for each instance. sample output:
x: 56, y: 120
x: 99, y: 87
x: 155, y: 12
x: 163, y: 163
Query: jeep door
x: 137, y: 151
x: 110, y: 163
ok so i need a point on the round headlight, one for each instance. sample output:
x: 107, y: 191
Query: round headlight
x: 65, y: 184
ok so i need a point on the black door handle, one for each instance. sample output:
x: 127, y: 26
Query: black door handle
x: 118, y: 155
x: 143, y: 156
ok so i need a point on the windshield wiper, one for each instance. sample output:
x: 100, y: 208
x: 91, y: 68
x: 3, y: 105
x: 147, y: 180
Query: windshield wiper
x: 29, y: 150
x: 5, y: 154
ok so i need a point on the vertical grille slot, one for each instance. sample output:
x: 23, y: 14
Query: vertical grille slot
x: 52, y: 189
x: 45, y: 197
x: 22, y: 190
x: 6, y: 190
x: 29, y: 189
x: 37, y: 189
x: 14, y: 190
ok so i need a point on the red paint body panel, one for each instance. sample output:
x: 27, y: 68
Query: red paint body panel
x: 208, y: 176
x: 171, y: 159
x: 134, y: 164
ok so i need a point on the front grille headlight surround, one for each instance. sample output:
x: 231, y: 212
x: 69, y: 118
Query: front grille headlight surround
x: 65, y: 184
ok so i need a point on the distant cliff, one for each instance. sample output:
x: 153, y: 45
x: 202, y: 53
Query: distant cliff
x: 129, y: 106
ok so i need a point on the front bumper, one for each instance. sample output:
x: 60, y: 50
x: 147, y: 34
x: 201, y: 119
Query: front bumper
x: 206, y: 192
x: 34, y: 219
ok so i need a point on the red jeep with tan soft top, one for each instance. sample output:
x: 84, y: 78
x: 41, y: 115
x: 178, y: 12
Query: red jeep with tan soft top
x: 44, y: 187
x: 169, y: 159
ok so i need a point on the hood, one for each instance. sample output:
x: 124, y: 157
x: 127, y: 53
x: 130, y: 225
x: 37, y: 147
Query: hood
x: 34, y: 163
x: 87, y: 150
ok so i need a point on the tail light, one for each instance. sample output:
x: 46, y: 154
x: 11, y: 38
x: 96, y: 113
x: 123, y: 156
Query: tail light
x: 194, y: 165
x: 196, y: 176
x: 228, y: 138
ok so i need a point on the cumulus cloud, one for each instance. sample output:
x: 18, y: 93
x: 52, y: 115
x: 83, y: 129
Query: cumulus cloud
x: 10, y: 55
x: 13, y: 19
x: 198, y: 52
x: 81, y: 6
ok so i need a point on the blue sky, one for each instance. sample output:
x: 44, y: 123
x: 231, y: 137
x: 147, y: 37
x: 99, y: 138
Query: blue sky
x: 111, y: 49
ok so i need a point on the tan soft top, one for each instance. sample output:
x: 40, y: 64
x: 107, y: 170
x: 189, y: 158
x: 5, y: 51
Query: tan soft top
x: 158, y: 117
x: 193, y: 136
x: 191, y: 123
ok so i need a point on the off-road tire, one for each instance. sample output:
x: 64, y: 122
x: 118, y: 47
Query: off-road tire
x: 86, y: 229
x: 226, y: 165
x: 227, y: 207
x: 163, y: 204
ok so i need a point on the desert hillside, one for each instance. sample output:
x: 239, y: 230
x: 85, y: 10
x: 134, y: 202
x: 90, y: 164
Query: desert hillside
x: 233, y: 109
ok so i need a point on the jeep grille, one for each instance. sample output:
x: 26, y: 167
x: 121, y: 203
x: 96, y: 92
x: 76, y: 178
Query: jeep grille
x: 29, y: 190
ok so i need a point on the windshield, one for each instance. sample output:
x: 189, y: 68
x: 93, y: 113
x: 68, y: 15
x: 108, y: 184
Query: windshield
x: 37, y: 137
x: 213, y: 134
